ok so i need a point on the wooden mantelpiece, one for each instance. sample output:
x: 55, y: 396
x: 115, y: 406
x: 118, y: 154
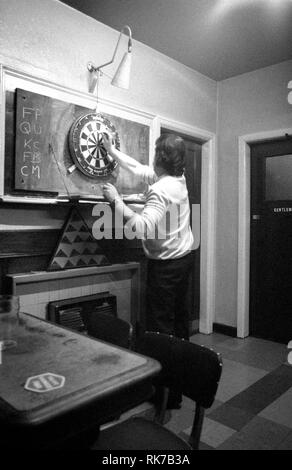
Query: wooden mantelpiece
x: 24, y: 278
x: 37, y: 289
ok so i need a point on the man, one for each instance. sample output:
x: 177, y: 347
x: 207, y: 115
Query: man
x: 164, y: 226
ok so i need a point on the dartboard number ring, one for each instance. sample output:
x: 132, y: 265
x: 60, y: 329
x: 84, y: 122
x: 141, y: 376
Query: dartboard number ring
x: 86, y: 145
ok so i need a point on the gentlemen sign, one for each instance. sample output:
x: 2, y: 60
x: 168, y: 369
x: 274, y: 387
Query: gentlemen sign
x: 290, y: 353
x: 290, y: 93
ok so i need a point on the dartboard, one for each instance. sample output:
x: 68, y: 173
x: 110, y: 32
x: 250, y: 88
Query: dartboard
x: 86, y: 144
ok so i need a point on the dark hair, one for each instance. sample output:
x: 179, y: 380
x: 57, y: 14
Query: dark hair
x: 170, y: 154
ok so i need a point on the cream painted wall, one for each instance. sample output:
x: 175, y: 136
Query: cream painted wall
x: 53, y: 41
x: 250, y: 103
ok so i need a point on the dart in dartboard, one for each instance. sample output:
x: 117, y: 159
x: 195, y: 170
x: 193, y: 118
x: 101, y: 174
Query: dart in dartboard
x: 86, y: 145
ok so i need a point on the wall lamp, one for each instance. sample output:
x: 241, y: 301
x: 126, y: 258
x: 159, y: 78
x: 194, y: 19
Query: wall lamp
x: 121, y: 78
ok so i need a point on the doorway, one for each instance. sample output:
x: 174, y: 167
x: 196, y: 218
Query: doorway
x: 193, y: 170
x: 271, y: 240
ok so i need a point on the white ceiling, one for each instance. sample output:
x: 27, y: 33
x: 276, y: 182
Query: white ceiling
x: 218, y: 38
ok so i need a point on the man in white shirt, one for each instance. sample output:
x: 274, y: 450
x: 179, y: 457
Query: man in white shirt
x: 164, y: 227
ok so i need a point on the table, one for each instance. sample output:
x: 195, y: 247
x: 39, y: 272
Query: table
x: 100, y: 380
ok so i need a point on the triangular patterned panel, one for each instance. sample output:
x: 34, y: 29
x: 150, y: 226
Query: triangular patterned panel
x: 100, y: 258
x: 78, y: 239
x: 77, y: 226
x: 59, y: 263
x: 80, y: 263
x: 75, y: 253
x: 69, y: 265
x: 88, y: 239
x: 66, y: 240
x: 71, y: 228
x: 83, y: 236
x: 55, y: 265
x: 61, y: 254
x: 77, y: 247
x: 75, y: 217
x: 86, y: 258
x: 93, y: 261
x: 92, y: 248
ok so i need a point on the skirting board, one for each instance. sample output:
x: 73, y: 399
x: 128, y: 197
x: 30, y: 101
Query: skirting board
x: 225, y: 329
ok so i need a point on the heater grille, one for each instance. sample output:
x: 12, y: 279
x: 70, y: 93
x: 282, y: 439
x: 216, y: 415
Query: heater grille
x: 71, y: 318
x: 79, y: 312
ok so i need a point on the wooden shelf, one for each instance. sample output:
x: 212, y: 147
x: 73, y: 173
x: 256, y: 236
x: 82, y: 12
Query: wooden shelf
x: 23, y: 278
x: 24, y: 255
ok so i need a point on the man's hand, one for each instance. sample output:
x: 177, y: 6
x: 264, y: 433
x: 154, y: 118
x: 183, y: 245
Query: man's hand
x: 107, y: 141
x: 110, y: 192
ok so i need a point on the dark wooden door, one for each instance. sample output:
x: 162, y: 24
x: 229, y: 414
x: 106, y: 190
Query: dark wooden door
x: 271, y: 240
x: 193, y: 180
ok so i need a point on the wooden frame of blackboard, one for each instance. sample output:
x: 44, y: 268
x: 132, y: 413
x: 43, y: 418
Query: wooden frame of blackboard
x: 11, y: 79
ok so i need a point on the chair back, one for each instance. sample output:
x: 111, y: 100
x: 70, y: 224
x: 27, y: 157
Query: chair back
x: 192, y: 369
x: 186, y: 367
x: 110, y: 329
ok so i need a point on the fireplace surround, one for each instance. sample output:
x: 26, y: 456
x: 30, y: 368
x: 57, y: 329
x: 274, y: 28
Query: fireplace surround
x: 37, y: 289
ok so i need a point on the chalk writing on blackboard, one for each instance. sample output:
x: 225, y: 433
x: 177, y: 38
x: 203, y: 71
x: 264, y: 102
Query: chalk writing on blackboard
x: 29, y: 129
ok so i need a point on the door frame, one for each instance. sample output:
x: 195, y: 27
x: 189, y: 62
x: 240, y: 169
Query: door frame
x: 244, y: 199
x: 208, y: 215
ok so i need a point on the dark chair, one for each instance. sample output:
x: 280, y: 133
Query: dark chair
x: 192, y: 369
x: 110, y: 329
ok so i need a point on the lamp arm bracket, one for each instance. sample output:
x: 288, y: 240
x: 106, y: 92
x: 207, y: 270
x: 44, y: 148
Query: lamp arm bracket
x: 93, y: 68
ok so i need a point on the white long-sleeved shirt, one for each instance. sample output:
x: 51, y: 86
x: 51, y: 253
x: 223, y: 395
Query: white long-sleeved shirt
x: 164, y: 224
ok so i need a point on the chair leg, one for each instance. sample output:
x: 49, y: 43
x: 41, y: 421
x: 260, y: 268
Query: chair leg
x: 161, y: 408
x: 131, y: 338
x: 194, y: 438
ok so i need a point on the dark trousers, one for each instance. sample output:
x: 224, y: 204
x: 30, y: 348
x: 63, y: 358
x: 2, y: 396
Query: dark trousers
x: 167, y: 286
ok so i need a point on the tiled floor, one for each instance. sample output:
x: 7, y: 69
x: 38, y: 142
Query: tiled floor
x: 253, y: 407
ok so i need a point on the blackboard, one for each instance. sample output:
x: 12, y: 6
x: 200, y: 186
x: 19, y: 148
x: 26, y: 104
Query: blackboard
x: 42, y: 155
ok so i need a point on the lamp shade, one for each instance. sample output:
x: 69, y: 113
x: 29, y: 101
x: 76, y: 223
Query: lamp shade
x: 121, y: 78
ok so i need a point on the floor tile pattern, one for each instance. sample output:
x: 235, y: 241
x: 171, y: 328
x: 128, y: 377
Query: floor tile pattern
x: 253, y: 406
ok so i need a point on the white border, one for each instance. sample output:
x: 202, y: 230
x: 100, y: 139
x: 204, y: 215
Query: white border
x: 244, y: 194
x: 11, y: 78
x: 208, y: 216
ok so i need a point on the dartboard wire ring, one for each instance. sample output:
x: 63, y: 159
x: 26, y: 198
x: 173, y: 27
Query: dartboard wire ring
x: 86, y: 148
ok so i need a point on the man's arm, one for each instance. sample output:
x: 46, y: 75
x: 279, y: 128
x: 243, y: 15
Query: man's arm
x: 144, y: 224
x: 112, y: 196
x: 128, y: 163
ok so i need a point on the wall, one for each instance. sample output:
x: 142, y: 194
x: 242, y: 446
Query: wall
x: 249, y: 103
